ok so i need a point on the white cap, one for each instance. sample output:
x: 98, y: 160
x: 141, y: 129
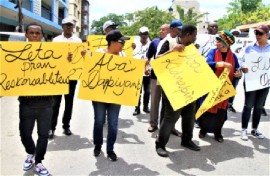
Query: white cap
x: 67, y: 20
x: 107, y: 24
x: 144, y: 29
x: 235, y: 30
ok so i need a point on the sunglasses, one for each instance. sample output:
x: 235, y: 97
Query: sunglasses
x: 213, y: 27
x: 258, y: 33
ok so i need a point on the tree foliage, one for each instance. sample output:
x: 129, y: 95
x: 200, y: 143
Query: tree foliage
x: 97, y: 25
x: 190, y: 17
x: 240, y: 12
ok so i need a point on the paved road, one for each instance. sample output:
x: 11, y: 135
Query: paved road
x: 73, y: 155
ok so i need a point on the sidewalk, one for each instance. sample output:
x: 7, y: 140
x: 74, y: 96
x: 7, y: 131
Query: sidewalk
x: 135, y: 147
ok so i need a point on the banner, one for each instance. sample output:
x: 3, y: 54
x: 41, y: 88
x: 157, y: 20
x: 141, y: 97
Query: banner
x: 111, y: 79
x: 221, y: 92
x: 258, y: 76
x: 184, y: 76
x: 76, y: 64
x: 99, y: 41
x: 34, y: 68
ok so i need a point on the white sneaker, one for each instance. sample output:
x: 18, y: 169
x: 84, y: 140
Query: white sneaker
x: 244, y: 135
x: 41, y: 170
x: 257, y: 134
x: 28, y: 163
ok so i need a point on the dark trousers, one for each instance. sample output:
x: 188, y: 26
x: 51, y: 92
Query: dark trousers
x: 171, y: 117
x: 146, y: 92
x: 28, y: 116
x: 68, y: 107
x: 253, y: 99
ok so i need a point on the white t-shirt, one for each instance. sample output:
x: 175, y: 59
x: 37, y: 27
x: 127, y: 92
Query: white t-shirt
x: 104, y: 50
x: 62, y: 38
x: 141, y: 50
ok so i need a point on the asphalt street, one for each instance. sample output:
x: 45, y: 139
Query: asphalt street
x: 135, y: 146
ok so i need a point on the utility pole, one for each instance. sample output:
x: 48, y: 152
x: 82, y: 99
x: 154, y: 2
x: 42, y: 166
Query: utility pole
x: 20, y: 16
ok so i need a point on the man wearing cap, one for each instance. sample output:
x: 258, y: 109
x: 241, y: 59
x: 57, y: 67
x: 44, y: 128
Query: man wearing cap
x: 140, y: 53
x: 67, y: 36
x: 108, y: 26
x: 255, y: 99
x: 116, y: 42
x: 167, y: 45
x: 187, y: 37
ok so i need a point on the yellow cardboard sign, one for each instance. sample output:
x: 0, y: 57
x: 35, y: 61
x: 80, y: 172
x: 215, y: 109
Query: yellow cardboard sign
x: 99, y: 41
x: 111, y: 79
x: 184, y: 76
x: 221, y: 92
x: 33, y: 68
x: 76, y: 64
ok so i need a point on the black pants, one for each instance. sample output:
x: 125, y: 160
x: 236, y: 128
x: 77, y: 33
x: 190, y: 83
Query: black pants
x: 68, y: 107
x: 146, y: 92
x: 28, y: 116
x: 171, y: 117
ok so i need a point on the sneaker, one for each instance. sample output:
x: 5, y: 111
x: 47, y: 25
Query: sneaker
x: 41, y: 170
x: 244, y: 135
x: 112, y: 156
x: 257, y: 134
x: 97, y: 150
x: 28, y: 163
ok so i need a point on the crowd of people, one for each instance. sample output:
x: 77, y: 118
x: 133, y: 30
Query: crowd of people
x: 173, y: 37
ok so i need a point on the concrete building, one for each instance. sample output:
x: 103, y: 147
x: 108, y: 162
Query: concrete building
x: 48, y: 13
x: 187, y: 4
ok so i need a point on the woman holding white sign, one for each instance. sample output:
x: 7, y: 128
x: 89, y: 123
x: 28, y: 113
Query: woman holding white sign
x: 256, y: 90
x: 218, y: 59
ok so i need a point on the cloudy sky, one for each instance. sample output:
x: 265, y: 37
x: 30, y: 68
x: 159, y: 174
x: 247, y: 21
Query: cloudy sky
x: 100, y: 8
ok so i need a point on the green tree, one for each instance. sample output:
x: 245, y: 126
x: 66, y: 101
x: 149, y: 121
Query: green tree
x: 151, y: 17
x: 190, y: 17
x: 236, y: 16
x: 249, y: 5
x: 97, y: 25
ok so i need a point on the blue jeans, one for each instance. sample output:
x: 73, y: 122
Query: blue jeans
x: 100, y: 110
x: 28, y: 116
x: 253, y: 99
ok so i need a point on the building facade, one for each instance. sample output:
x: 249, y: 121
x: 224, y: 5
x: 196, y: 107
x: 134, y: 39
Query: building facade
x: 187, y: 4
x: 48, y: 13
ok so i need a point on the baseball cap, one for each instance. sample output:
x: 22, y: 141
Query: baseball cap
x: 68, y: 20
x: 144, y: 29
x: 262, y: 28
x: 108, y: 24
x: 176, y: 24
x: 116, y: 35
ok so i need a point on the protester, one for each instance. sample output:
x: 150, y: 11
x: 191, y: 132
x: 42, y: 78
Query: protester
x: 35, y: 109
x: 165, y: 47
x: 235, y: 33
x: 155, y: 90
x: 109, y: 26
x: 140, y: 53
x: 116, y: 43
x: 187, y: 36
x: 255, y: 99
x: 67, y: 36
x: 218, y: 59
x: 212, y: 28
